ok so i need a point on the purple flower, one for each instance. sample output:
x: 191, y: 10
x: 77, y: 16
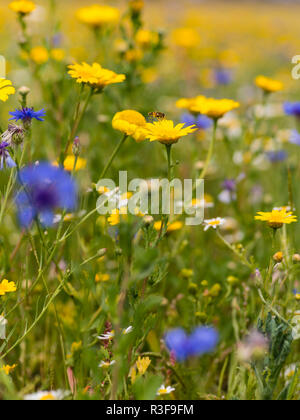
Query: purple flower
x: 202, y: 340
x: 5, y: 157
x: 223, y: 76
x: 295, y: 138
x: 27, y: 114
x: 202, y: 121
x: 228, y: 193
x: 276, y: 156
x: 13, y: 135
x: 229, y: 185
x: 292, y: 108
x: 45, y: 188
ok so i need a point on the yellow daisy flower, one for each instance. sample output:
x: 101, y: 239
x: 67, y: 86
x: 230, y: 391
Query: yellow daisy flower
x: 213, y: 108
x: 7, y: 287
x: 94, y: 75
x: 39, y: 55
x: 69, y: 163
x: 145, y: 38
x: 188, y: 103
x: 58, y: 54
x: 97, y: 15
x: 166, y: 132
x: 186, y: 37
x: 24, y: 7
x: 268, y: 85
x: 115, y: 217
x: 6, y: 89
x: 277, y: 217
x: 131, y: 123
x: 172, y: 227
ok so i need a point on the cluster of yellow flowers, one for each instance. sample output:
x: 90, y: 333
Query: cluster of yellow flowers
x: 213, y: 108
x: 134, y: 124
x: 142, y: 365
x: 7, y: 369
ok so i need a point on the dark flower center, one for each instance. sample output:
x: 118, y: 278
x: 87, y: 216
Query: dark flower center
x: 44, y: 197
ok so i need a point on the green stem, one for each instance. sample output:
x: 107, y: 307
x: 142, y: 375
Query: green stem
x: 112, y: 158
x: 78, y: 117
x: 241, y: 257
x: 211, y: 151
x: 169, y: 155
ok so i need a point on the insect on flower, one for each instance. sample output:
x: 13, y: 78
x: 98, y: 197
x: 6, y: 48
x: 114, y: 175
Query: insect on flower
x: 156, y: 115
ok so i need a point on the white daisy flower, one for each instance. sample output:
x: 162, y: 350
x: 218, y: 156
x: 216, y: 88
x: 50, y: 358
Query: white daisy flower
x: 127, y: 330
x: 107, y: 336
x: 106, y: 365
x: 213, y: 223
x: 165, y: 390
x: 47, y: 395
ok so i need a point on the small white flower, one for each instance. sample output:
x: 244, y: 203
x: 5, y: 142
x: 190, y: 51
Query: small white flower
x: 47, y: 395
x: 106, y: 365
x: 107, y: 336
x: 214, y: 223
x: 127, y: 330
x: 164, y: 391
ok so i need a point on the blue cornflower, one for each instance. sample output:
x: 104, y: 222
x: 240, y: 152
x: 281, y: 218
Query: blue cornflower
x: 45, y: 188
x: 177, y: 342
x: 5, y: 157
x: 27, y: 114
x: 295, y: 138
x: 276, y: 156
x: 292, y: 108
x: 202, y: 121
x: 223, y: 76
x: 202, y: 340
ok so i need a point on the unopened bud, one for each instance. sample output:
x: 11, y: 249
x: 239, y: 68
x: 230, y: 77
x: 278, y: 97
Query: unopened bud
x: 102, y: 252
x: 232, y: 280
x: 24, y: 90
x: 136, y: 5
x: 76, y: 147
x: 193, y: 288
x: 278, y: 257
x: 296, y: 258
x: 148, y: 220
x: 201, y: 316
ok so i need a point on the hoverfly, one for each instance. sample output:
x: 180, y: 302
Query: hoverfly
x: 156, y: 116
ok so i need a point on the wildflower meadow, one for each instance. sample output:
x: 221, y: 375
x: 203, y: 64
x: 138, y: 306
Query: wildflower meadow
x: 149, y: 168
